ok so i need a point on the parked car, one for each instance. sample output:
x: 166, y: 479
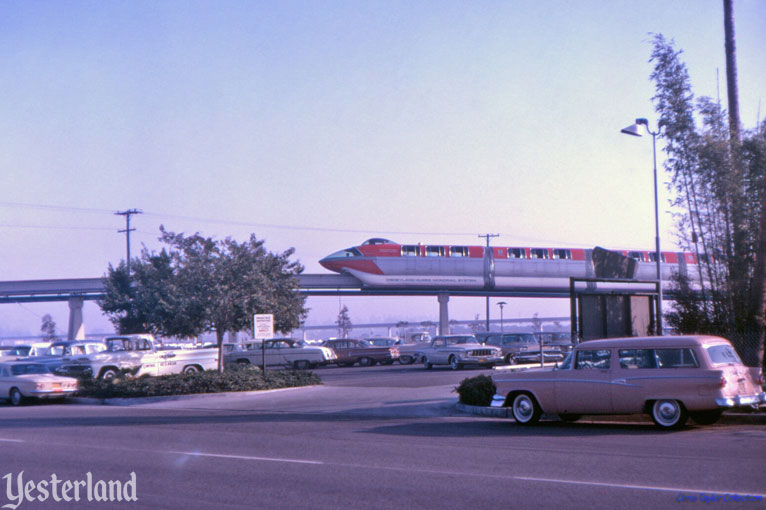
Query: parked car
x: 139, y: 354
x: 20, y: 380
x: 282, y: 352
x: 669, y: 378
x: 458, y: 351
x: 409, y: 353
x: 351, y: 351
x: 381, y: 341
x: 561, y: 341
x: 522, y: 348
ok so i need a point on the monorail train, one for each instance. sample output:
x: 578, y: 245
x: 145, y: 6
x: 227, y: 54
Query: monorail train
x: 383, y: 263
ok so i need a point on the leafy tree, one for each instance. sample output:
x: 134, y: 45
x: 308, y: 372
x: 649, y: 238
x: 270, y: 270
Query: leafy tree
x: 344, y: 322
x: 48, y: 328
x: 197, y: 285
x: 718, y: 188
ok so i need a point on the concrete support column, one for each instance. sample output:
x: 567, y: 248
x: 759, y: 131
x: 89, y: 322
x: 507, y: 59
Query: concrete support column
x: 443, y: 314
x: 76, y: 327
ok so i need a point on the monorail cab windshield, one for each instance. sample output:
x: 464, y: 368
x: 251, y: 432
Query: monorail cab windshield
x: 376, y: 240
x: 348, y: 252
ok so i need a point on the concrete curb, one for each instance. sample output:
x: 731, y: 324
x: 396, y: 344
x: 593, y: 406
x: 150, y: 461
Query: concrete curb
x: 728, y: 418
x: 170, y: 398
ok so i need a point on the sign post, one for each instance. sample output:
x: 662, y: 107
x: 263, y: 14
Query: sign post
x: 263, y: 328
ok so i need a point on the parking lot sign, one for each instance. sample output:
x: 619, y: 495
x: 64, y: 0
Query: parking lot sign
x: 263, y: 325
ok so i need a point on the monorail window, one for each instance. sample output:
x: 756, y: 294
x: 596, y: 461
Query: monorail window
x: 434, y: 251
x: 377, y: 240
x: 637, y: 255
x: 458, y: 251
x: 410, y: 251
x: 517, y: 253
x: 653, y: 257
x: 562, y: 254
x: 538, y: 253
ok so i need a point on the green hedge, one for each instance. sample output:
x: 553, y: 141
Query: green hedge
x: 476, y: 391
x: 236, y: 378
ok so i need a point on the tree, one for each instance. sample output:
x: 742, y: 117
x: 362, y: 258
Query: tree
x: 718, y: 188
x: 198, y: 285
x: 48, y: 328
x: 344, y: 322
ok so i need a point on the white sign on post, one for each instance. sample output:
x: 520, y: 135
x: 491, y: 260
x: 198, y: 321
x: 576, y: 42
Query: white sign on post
x: 263, y: 326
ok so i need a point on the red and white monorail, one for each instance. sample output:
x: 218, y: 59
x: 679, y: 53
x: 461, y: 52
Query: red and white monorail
x: 383, y: 263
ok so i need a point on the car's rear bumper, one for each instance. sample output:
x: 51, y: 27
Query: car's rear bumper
x: 741, y: 400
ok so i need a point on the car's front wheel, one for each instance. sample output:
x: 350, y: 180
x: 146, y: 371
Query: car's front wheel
x: 16, y: 397
x: 427, y: 364
x: 668, y: 414
x: 109, y: 373
x: 454, y: 363
x: 525, y: 409
x: 510, y: 359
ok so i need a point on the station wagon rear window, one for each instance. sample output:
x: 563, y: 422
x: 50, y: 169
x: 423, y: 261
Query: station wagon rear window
x: 723, y: 353
x: 657, y: 358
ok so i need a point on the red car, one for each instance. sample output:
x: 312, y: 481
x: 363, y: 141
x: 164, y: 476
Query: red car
x: 351, y: 351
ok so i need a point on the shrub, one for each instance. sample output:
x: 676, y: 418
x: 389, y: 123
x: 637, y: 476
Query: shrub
x: 476, y: 391
x: 244, y: 378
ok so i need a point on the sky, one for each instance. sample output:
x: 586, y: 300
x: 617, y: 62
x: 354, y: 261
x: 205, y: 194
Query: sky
x: 319, y: 124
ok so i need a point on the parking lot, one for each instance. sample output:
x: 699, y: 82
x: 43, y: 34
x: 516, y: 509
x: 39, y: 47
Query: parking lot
x: 375, y: 437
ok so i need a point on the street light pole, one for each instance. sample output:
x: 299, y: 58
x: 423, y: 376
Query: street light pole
x: 634, y: 130
x: 501, y: 304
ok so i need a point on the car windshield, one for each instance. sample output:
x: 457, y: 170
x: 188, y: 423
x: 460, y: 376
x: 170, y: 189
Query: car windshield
x: 525, y: 338
x: 453, y: 340
x: 29, y: 368
x: 57, y: 350
x: 20, y: 351
x: 723, y: 353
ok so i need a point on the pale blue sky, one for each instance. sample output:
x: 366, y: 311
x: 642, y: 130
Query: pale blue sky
x: 427, y: 121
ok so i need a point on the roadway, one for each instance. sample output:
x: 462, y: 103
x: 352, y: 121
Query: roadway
x: 381, y: 437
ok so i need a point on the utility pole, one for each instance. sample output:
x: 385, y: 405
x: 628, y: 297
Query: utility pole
x: 127, y: 230
x: 488, y: 237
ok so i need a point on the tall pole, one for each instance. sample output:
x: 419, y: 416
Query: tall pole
x: 634, y: 130
x: 127, y: 231
x: 488, y: 237
x: 658, y: 253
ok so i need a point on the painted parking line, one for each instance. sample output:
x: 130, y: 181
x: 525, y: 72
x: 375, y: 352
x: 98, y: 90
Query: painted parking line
x: 245, y: 457
x: 5, y: 440
x: 636, y: 487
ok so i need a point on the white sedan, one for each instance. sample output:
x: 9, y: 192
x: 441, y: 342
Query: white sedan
x: 20, y: 380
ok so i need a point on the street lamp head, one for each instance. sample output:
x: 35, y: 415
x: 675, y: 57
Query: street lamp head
x: 633, y: 129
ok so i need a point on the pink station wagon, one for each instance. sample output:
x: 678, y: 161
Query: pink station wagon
x: 669, y: 378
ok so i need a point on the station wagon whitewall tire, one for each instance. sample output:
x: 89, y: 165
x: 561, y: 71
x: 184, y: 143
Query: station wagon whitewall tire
x: 454, y: 363
x: 16, y: 397
x: 525, y: 409
x: 191, y: 369
x: 668, y: 413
